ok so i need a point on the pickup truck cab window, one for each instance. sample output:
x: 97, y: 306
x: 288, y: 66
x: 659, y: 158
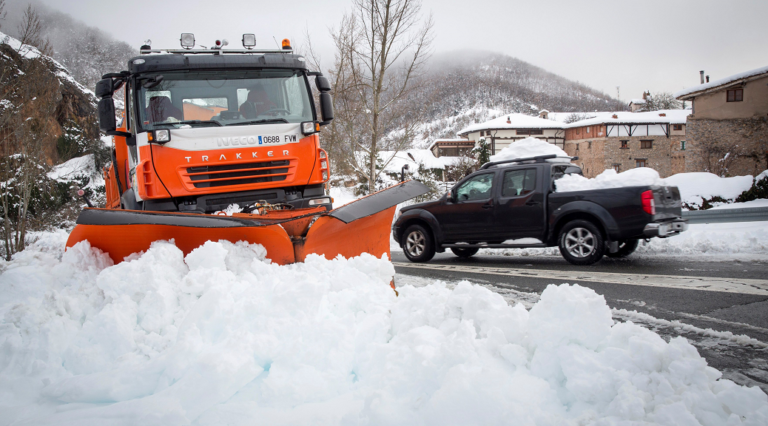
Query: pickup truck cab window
x: 518, y: 182
x: 476, y: 188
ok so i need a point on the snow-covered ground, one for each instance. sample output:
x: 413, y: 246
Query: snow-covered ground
x: 225, y: 337
x: 742, y: 241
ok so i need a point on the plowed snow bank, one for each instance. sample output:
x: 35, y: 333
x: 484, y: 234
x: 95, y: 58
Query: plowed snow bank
x: 224, y: 337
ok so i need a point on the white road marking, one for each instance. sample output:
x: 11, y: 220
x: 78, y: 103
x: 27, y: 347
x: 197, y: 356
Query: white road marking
x: 724, y: 285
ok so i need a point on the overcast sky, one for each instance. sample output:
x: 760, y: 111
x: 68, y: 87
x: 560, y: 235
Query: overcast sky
x: 658, y: 45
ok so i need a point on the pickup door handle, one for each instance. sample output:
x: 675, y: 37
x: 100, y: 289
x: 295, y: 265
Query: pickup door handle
x: 532, y: 203
x: 487, y: 206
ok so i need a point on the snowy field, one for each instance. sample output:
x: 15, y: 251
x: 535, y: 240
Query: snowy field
x: 225, y: 337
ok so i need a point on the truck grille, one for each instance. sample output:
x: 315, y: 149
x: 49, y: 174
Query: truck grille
x: 238, y: 174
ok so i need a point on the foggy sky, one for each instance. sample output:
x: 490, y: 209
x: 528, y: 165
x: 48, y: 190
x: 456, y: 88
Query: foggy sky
x: 659, y: 45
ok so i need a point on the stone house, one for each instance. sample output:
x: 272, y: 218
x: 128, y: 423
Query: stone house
x: 509, y: 128
x: 626, y: 140
x: 728, y: 129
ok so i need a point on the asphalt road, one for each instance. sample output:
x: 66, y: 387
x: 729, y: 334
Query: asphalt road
x: 720, y: 307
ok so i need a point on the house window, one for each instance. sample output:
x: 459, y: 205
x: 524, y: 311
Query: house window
x: 624, y: 144
x: 735, y: 95
x: 482, y: 133
x: 587, y: 129
x: 589, y: 145
x: 682, y: 145
x: 640, y: 162
x: 617, y: 167
x: 646, y: 144
x: 677, y: 127
x: 577, y: 147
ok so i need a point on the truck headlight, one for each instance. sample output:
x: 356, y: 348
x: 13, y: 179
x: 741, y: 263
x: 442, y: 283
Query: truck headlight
x: 161, y: 136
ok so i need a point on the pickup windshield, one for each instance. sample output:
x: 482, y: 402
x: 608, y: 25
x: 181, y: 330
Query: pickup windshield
x: 222, y: 98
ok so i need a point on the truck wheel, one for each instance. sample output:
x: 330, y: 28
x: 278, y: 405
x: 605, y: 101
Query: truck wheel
x: 464, y: 253
x: 626, y: 248
x: 417, y: 244
x: 581, y: 243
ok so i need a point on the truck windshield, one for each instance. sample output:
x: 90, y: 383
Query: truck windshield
x: 222, y: 98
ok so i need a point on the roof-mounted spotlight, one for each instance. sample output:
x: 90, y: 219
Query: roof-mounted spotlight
x: 249, y: 41
x: 146, y: 47
x: 187, y: 40
x: 287, y: 44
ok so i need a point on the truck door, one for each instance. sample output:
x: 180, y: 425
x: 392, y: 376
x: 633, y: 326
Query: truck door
x: 469, y: 217
x: 519, y: 212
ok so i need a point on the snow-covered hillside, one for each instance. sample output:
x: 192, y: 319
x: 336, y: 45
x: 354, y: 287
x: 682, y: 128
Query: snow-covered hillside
x: 225, y: 337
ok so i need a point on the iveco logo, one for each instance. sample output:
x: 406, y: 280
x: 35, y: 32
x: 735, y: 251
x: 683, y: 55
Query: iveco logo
x: 238, y: 141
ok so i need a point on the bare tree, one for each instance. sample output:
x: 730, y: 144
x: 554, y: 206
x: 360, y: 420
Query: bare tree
x: 30, y: 30
x: 381, y: 50
x: 659, y: 101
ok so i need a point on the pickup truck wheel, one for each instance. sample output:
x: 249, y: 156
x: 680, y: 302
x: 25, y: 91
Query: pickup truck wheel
x: 417, y: 244
x: 626, y: 248
x: 464, y: 252
x: 581, y: 243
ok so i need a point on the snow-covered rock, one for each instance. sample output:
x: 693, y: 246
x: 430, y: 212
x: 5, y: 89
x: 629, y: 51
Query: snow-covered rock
x: 223, y: 336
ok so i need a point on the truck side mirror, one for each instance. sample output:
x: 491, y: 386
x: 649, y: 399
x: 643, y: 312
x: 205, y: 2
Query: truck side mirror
x: 449, y: 196
x: 322, y: 84
x: 107, y: 121
x: 326, y: 108
x: 104, y: 87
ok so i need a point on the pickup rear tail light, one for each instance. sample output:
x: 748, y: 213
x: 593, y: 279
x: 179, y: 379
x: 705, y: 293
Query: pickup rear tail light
x: 649, y: 205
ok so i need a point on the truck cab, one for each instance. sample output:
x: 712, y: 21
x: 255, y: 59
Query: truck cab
x: 204, y: 129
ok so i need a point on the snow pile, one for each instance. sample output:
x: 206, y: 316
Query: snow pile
x: 225, y: 337
x: 746, y: 239
x: 528, y: 147
x: 696, y: 187
x: 640, y: 176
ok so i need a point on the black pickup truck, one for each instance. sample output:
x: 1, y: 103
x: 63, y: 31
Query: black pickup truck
x: 515, y: 199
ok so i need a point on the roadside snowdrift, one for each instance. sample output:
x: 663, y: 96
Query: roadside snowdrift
x: 224, y: 337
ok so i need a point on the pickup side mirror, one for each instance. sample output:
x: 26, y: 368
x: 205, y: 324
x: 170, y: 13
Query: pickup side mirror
x: 449, y: 196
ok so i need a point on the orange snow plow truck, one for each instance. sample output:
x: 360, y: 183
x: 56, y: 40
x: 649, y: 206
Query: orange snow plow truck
x: 204, y: 129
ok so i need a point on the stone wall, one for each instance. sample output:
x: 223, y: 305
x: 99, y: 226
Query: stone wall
x: 666, y: 155
x: 728, y: 147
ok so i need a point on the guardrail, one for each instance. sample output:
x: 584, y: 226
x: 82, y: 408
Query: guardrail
x: 752, y: 214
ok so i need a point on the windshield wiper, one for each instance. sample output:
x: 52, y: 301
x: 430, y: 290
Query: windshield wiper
x: 166, y: 123
x: 267, y: 121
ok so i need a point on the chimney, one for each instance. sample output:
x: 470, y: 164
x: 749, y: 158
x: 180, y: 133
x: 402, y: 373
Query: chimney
x: 701, y: 74
x: 707, y: 79
x: 508, y: 120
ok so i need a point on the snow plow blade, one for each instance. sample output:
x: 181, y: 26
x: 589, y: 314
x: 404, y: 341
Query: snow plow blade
x: 362, y: 226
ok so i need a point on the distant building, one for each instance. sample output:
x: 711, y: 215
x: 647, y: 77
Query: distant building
x: 451, y: 147
x: 728, y: 129
x: 509, y: 128
x: 636, y: 105
x: 626, y: 140
x: 602, y: 140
